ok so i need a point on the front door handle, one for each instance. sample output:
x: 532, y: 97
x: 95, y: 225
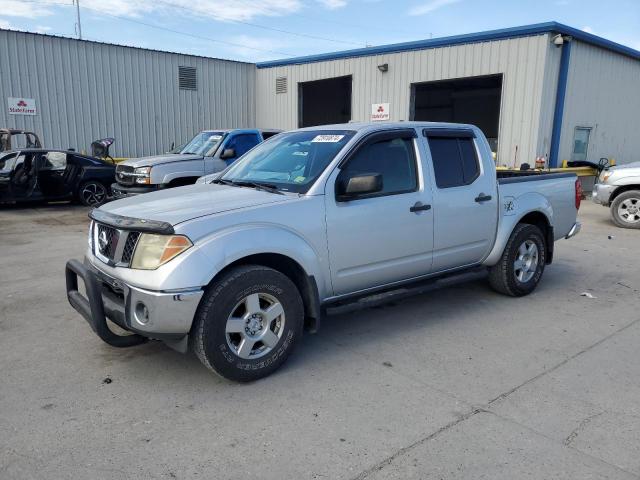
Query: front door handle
x: 483, y: 198
x: 419, y: 207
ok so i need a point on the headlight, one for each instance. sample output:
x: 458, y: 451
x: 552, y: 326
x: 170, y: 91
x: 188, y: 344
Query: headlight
x: 154, y: 250
x: 90, y: 236
x: 143, y: 175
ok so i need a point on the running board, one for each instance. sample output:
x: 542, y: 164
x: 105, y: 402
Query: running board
x: 408, y: 290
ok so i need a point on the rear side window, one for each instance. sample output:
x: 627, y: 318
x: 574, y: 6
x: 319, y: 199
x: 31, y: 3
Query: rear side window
x: 393, y: 159
x: 455, y: 161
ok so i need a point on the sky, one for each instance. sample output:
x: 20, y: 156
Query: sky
x: 262, y: 30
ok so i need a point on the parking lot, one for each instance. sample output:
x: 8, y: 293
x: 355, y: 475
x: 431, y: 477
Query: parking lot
x: 457, y: 383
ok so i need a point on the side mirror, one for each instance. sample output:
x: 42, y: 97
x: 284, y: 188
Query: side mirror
x: 228, y: 153
x: 359, y: 185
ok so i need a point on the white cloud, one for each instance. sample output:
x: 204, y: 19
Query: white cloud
x: 16, y: 8
x: 431, y: 6
x: 253, y: 48
x: 215, y: 9
x: 5, y: 24
x: 333, y: 4
x: 587, y: 29
x: 43, y: 29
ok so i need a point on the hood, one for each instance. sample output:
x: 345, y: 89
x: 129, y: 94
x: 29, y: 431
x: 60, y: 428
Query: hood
x: 158, y: 159
x: 625, y: 166
x: 177, y: 205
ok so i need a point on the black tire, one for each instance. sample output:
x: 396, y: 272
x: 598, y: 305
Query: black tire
x: 620, y: 213
x: 214, y: 347
x: 503, y: 276
x: 92, y: 193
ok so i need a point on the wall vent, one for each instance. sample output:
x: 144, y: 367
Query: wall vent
x: 187, y: 78
x: 281, y: 84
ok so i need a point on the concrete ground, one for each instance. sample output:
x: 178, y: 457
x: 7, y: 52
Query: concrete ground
x: 458, y: 383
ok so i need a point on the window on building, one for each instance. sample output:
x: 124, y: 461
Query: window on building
x: 393, y: 159
x: 580, y: 143
x: 455, y: 161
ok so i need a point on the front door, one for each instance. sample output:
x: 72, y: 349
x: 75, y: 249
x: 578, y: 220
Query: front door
x: 52, y: 167
x: 384, y: 237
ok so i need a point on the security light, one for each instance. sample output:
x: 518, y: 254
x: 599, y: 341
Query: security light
x: 384, y: 67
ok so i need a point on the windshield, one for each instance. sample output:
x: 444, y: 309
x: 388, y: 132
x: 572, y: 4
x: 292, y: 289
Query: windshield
x: 204, y: 143
x: 290, y: 161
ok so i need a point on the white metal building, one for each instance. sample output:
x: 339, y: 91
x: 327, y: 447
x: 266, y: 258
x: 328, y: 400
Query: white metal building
x: 145, y: 99
x: 540, y: 90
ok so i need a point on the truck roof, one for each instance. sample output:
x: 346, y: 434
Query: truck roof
x: 361, y: 126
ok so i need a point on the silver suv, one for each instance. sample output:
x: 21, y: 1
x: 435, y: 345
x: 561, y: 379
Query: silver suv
x: 619, y: 188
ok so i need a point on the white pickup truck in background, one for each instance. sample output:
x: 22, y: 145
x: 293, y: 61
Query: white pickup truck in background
x: 312, y: 219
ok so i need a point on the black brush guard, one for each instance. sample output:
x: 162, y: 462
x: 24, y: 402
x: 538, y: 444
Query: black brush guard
x: 92, y: 307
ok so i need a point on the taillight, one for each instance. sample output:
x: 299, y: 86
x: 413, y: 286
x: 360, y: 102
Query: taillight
x: 578, y: 187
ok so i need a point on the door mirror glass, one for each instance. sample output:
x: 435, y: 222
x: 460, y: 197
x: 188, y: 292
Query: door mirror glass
x: 228, y: 153
x: 359, y: 185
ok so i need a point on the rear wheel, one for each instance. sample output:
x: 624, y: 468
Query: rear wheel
x: 522, y: 263
x: 248, y: 323
x: 625, y: 209
x: 92, y: 194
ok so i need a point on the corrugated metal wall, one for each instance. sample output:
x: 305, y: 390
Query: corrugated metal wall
x: 526, y: 101
x: 87, y: 90
x: 603, y: 93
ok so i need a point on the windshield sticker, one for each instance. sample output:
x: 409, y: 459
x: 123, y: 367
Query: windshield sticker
x: 327, y: 138
x: 299, y: 179
x: 214, y: 138
x: 303, y: 154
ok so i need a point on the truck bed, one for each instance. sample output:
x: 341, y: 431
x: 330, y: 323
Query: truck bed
x: 515, y: 176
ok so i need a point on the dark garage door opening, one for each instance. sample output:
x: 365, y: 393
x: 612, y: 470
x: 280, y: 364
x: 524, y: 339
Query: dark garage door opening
x: 324, y: 101
x: 474, y: 100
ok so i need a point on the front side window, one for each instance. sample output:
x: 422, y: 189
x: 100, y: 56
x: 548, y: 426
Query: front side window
x: 580, y: 143
x: 204, y: 143
x: 241, y: 144
x: 455, y: 162
x: 393, y: 159
x: 290, y: 161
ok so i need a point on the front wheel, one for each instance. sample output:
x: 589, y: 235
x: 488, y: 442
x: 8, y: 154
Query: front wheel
x: 522, y: 263
x: 92, y: 194
x: 248, y: 323
x: 625, y: 209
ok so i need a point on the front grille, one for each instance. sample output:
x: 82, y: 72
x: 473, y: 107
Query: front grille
x: 107, y: 241
x: 113, y: 246
x: 130, y: 246
x: 124, y: 174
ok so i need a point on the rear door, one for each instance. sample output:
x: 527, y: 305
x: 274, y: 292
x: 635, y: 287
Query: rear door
x: 378, y: 239
x: 51, y: 168
x: 465, y: 199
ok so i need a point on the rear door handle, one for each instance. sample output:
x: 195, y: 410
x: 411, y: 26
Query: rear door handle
x: 419, y: 207
x: 483, y: 198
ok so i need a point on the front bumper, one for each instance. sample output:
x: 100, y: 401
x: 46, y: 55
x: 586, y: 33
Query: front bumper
x: 165, y: 316
x: 602, y: 193
x: 121, y: 191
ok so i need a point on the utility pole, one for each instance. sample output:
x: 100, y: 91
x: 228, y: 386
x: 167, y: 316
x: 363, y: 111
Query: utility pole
x: 78, y: 16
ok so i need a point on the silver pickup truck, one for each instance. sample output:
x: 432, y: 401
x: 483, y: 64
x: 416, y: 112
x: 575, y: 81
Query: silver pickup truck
x: 208, y: 152
x: 309, y: 220
x: 619, y: 188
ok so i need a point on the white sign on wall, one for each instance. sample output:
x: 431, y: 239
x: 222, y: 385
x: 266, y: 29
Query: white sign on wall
x: 379, y: 112
x: 22, y: 106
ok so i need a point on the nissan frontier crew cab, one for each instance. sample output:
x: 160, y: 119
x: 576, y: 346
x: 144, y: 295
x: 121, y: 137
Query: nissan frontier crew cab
x: 312, y: 219
x: 208, y: 152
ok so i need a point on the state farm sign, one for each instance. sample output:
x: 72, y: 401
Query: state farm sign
x: 22, y: 106
x: 379, y: 112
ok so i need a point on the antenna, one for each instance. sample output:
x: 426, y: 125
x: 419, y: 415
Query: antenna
x: 79, y: 25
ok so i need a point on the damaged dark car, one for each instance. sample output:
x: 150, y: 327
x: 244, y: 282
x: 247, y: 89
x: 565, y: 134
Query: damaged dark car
x: 36, y: 174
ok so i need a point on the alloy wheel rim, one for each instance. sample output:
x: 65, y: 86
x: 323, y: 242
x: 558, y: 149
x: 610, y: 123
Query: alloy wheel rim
x: 526, y: 262
x: 255, y: 326
x: 629, y: 210
x: 93, y: 194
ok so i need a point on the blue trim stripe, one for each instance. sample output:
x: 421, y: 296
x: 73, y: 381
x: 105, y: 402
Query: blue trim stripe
x: 558, y: 112
x: 505, y: 33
